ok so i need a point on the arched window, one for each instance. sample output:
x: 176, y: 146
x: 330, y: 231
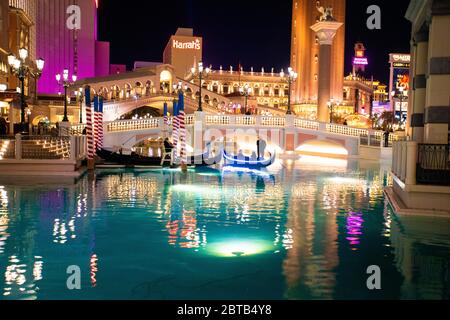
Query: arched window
x: 139, y: 89
x: 277, y: 91
x: 226, y: 88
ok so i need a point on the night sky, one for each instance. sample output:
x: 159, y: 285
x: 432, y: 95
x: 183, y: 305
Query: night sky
x: 253, y: 33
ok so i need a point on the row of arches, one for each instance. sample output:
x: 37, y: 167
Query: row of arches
x: 259, y: 90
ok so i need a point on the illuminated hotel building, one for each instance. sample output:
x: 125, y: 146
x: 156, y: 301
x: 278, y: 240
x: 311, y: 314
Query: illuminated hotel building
x: 63, y: 48
x: 17, y: 30
x: 183, y: 51
x: 305, y: 50
x: 267, y: 88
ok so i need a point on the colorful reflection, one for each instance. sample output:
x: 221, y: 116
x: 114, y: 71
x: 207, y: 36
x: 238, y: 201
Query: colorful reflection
x: 354, y: 226
x: 207, y: 235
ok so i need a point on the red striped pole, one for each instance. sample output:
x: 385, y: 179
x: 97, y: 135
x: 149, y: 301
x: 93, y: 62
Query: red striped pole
x: 183, y: 137
x: 89, y: 126
x: 95, y: 129
x: 100, y: 124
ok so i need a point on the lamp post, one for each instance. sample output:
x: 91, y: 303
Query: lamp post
x: 64, y: 81
x: 246, y: 91
x: 393, y: 94
x: 331, y: 105
x: 200, y: 72
x: 179, y: 88
x: 290, y: 78
x: 402, y: 90
x: 21, y: 70
x: 80, y: 98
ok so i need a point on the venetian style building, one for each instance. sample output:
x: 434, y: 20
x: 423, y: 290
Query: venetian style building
x: 421, y: 166
x: 64, y: 47
x: 17, y: 30
x: 305, y: 50
x: 268, y: 89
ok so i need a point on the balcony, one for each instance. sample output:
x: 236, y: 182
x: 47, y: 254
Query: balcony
x: 433, y: 165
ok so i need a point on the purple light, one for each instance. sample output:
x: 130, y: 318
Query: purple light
x: 354, y: 227
x: 360, y: 61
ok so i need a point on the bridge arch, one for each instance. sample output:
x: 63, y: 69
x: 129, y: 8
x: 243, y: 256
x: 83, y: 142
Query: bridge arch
x: 317, y: 147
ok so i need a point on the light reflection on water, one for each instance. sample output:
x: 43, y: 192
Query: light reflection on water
x: 299, y: 231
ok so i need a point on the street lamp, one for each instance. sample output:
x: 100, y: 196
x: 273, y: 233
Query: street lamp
x: 246, y: 91
x: 290, y: 77
x: 64, y: 81
x: 80, y: 96
x: 200, y: 72
x: 179, y: 88
x: 21, y: 70
x: 402, y: 90
x: 331, y: 104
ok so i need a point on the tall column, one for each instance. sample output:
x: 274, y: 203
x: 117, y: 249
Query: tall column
x: 416, y: 108
x: 325, y: 31
x: 437, y: 111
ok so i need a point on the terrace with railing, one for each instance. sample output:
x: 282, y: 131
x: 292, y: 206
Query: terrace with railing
x: 70, y: 148
x: 423, y: 164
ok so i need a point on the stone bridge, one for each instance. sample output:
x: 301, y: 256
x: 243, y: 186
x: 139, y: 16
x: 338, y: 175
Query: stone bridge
x: 284, y: 134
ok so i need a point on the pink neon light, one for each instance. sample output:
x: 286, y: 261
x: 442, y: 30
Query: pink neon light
x: 360, y: 61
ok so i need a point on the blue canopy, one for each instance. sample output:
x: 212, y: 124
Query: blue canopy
x: 166, y: 109
x: 175, y: 108
x: 87, y: 94
x: 181, y: 101
x: 96, y: 106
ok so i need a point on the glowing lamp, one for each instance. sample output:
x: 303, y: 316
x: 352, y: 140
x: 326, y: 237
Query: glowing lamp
x: 17, y: 64
x: 40, y: 64
x: 74, y: 78
x: 11, y: 60
x: 23, y: 54
x: 66, y: 75
x: 58, y: 77
x: 3, y: 87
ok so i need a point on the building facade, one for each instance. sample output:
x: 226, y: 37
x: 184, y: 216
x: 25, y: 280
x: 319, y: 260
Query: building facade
x: 67, y: 39
x: 183, y: 51
x: 421, y: 166
x: 267, y: 89
x: 305, y: 50
x: 17, y: 30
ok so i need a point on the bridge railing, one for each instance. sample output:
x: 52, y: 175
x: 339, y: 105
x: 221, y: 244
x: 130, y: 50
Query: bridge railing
x: 130, y: 125
x: 367, y: 137
x: 306, y: 124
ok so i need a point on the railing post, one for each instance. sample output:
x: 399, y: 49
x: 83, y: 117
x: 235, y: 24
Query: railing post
x: 73, y: 148
x: 18, y: 147
x: 404, y: 162
x: 323, y: 126
x: 258, y: 121
x: 411, y: 162
x: 290, y: 121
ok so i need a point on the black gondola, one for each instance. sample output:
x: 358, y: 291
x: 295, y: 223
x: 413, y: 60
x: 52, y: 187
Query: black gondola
x: 138, y: 160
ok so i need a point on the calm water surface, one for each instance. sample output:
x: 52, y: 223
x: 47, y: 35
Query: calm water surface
x: 305, y: 229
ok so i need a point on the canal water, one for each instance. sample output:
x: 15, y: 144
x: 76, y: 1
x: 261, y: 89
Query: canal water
x: 303, y: 229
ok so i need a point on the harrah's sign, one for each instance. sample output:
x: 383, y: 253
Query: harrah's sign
x: 191, y: 45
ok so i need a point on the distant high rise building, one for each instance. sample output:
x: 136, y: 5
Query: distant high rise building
x: 64, y: 45
x: 183, y: 51
x: 359, y: 60
x: 305, y: 50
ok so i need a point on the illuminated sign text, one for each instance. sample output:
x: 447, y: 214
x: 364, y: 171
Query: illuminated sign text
x: 191, y: 45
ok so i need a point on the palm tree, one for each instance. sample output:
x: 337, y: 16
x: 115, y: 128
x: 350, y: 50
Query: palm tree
x: 388, y: 120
